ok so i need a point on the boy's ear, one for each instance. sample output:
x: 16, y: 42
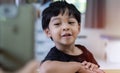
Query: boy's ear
x: 79, y: 27
x: 47, y: 32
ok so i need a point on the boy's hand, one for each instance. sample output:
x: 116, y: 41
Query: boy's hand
x: 84, y: 70
x: 91, y: 68
x: 89, y: 65
x: 98, y: 71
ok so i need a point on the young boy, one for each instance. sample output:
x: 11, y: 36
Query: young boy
x: 61, y: 22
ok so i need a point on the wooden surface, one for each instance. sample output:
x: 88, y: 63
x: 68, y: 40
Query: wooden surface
x: 112, y: 71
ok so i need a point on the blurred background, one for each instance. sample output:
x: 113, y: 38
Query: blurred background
x: 22, y: 38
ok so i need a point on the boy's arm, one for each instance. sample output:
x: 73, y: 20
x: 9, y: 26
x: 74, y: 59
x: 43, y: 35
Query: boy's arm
x: 60, y: 67
x: 65, y: 67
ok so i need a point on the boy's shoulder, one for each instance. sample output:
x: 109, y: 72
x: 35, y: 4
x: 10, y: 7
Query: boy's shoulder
x: 53, y: 54
x: 83, y: 48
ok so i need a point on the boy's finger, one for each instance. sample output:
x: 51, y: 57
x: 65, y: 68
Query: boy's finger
x: 84, y: 62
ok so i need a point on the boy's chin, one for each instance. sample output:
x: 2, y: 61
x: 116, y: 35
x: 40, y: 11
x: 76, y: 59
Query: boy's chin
x: 68, y: 43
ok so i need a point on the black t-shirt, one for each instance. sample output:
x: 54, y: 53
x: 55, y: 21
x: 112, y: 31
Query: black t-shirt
x: 57, y: 55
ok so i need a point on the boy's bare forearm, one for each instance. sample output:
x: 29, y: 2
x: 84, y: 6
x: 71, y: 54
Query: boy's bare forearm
x: 65, y: 67
x: 60, y: 67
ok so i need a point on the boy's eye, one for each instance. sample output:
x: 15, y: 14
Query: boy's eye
x: 71, y: 22
x: 57, y: 24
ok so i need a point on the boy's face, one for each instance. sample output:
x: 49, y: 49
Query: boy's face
x: 63, y: 29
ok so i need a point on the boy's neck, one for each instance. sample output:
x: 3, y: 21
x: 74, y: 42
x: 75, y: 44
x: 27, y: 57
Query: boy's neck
x: 69, y: 49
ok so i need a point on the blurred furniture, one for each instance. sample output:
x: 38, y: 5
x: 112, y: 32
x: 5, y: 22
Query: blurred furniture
x: 17, y: 37
x: 5, y: 55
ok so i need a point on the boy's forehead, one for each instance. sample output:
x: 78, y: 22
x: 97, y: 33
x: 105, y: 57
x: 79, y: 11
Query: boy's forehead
x: 61, y: 15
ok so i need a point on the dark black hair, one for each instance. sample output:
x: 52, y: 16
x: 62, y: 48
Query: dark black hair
x: 55, y: 9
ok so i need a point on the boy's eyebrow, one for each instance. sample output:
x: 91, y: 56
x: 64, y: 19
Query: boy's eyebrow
x: 55, y: 18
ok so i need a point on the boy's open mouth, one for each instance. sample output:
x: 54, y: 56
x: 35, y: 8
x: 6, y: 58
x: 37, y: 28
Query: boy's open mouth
x: 66, y: 35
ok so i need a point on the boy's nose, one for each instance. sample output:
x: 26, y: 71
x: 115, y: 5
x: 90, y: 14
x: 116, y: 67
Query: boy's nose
x: 66, y: 27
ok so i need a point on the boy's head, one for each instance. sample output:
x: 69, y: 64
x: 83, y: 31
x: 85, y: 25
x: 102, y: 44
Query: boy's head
x: 61, y: 22
x: 56, y: 8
